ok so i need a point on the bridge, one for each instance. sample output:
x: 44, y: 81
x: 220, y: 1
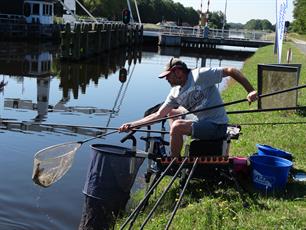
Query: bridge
x: 195, y: 37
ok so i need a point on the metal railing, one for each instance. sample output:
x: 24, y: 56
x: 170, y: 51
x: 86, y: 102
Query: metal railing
x: 217, y: 33
x: 12, y: 18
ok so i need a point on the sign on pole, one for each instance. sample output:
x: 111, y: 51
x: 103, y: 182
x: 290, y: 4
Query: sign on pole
x: 281, y: 9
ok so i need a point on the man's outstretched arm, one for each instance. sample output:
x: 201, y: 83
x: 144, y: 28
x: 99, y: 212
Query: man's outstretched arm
x: 239, y: 77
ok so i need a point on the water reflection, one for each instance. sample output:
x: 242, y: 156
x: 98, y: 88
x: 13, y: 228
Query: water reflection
x: 2, y: 85
x: 23, y: 59
x: 41, y: 62
x: 78, y: 75
x: 33, y: 127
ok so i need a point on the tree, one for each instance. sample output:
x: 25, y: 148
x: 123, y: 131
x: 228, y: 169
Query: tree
x: 215, y: 19
x: 258, y: 24
x: 299, y: 14
x: 151, y: 11
x: 237, y: 26
x: 266, y: 25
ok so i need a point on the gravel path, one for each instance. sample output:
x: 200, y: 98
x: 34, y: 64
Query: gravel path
x: 300, y: 44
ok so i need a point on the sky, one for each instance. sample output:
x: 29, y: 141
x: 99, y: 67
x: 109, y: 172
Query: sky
x: 241, y: 10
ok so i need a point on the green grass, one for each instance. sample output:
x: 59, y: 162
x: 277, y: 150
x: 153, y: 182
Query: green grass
x: 288, y: 137
x: 211, y: 205
x: 297, y: 36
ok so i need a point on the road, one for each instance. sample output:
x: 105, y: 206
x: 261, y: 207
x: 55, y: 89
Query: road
x: 300, y: 44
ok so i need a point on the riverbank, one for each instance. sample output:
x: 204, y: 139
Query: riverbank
x: 220, y: 206
x: 299, y: 41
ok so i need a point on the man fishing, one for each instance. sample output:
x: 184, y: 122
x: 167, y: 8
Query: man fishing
x: 194, y: 90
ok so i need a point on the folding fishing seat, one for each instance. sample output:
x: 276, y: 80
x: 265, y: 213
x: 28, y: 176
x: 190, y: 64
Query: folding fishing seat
x: 217, y: 147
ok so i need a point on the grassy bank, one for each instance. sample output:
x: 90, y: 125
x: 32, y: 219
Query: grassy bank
x: 288, y: 137
x: 297, y: 36
x: 211, y: 205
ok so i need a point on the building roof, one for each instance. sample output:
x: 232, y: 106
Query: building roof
x: 40, y: 1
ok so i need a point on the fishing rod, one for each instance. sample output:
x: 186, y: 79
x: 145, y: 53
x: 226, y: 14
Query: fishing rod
x: 139, y: 206
x: 218, y: 106
x: 182, y: 193
x: 164, y: 192
x: 266, y: 110
x: 6, y: 121
x: 275, y: 123
x: 68, y: 150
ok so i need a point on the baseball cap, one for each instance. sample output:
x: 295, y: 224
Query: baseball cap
x: 173, y: 62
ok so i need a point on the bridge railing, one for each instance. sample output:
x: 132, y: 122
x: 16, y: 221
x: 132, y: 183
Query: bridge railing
x: 217, y: 33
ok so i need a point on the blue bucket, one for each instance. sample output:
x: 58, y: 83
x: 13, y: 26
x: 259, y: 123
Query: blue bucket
x: 271, y: 151
x: 270, y: 172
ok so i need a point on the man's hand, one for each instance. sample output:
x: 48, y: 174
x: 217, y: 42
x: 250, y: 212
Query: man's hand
x: 252, y: 96
x: 125, y: 127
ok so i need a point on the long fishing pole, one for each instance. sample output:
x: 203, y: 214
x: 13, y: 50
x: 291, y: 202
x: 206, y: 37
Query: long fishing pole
x: 182, y: 193
x: 164, y: 192
x: 275, y: 123
x: 76, y: 126
x: 72, y: 147
x: 98, y: 136
x: 266, y: 110
x: 218, y: 106
x: 187, y: 113
x: 136, y: 210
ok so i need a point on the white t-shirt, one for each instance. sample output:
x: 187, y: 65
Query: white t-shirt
x: 200, y: 92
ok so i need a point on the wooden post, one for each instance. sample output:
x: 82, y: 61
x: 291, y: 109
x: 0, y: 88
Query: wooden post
x: 141, y: 34
x: 136, y: 35
x: 108, y: 37
x: 65, y: 45
x: 85, y: 41
x: 76, y: 51
x: 103, y: 37
x: 125, y: 35
x: 113, y: 36
x: 99, y: 38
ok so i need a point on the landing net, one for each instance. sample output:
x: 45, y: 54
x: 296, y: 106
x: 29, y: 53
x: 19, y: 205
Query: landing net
x: 52, y: 163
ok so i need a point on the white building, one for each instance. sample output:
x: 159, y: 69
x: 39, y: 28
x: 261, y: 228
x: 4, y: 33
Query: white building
x: 39, y: 11
x: 30, y: 11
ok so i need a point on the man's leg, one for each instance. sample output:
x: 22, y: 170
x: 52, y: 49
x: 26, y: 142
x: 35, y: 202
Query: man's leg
x: 177, y: 130
x: 174, y: 112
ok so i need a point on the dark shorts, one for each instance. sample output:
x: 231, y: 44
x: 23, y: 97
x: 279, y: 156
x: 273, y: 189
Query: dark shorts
x: 206, y: 130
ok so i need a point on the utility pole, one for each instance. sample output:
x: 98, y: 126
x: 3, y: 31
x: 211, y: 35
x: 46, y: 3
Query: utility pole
x: 206, y: 23
x: 224, y: 19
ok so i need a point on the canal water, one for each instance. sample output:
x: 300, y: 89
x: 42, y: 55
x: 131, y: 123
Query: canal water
x: 40, y: 88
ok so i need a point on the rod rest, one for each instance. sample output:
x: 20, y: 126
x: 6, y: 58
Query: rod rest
x: 129, y: 136
x: 202, y: 160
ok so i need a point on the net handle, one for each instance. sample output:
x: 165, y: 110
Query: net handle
x: 98, y: 136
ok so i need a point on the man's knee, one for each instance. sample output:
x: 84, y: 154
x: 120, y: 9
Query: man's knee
x: 180, y: 127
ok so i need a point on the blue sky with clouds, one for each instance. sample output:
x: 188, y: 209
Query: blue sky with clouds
x: 241, y: 10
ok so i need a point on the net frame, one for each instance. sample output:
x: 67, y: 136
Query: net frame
x: 50, y: 164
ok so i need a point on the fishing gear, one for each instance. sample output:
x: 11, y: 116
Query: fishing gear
x: 182, y: 193
x: 50, y: 164
x: 27, y: 123
x: 137, y: 209
x: 266, y: 110
x: 275, y: 123
x: 164, y: 192
x: 220, y: 105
